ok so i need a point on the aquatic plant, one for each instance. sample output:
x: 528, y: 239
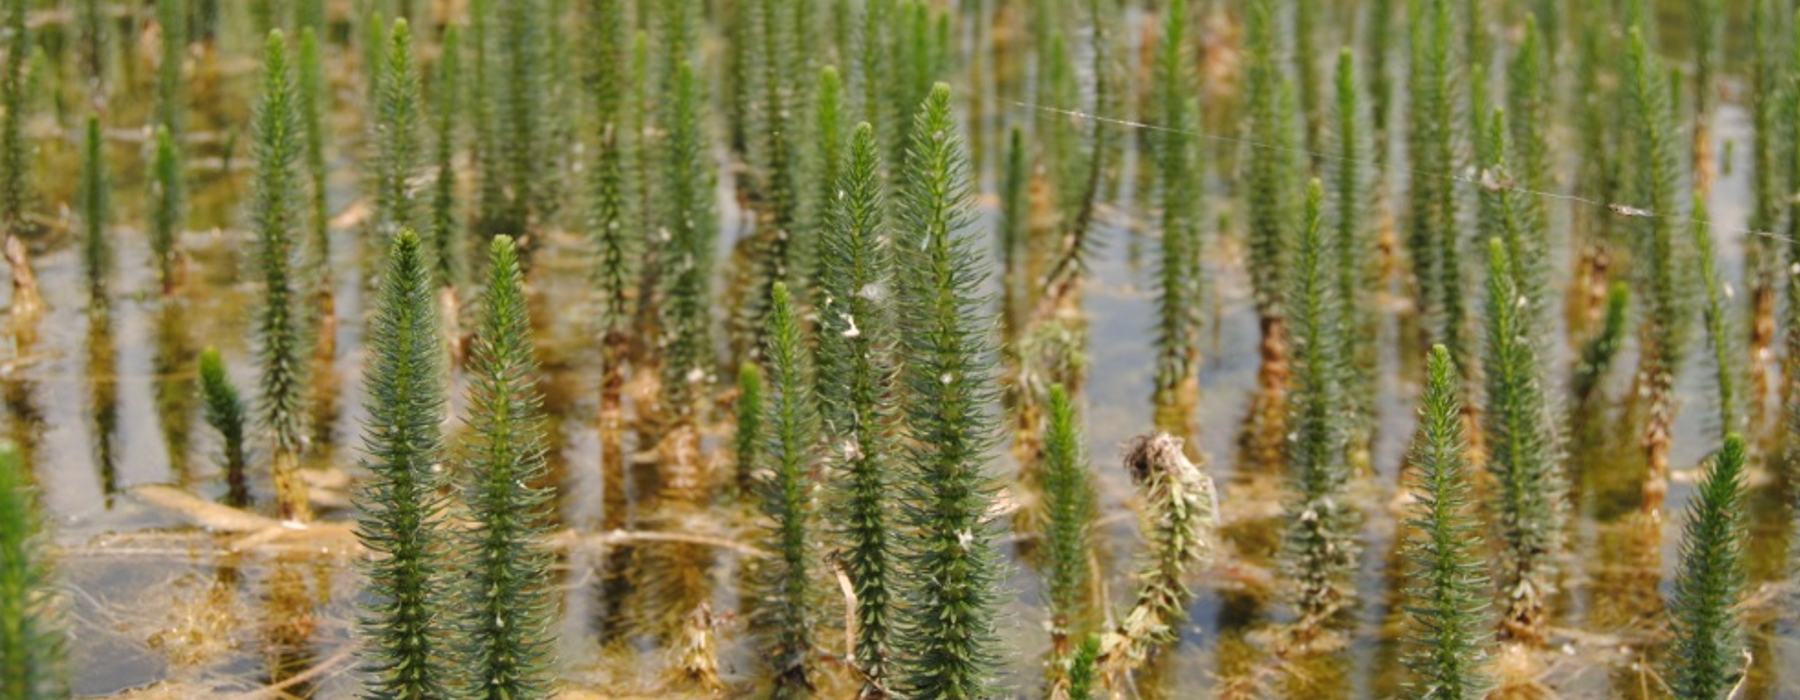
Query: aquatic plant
x: 1598, y: 172
x: 686, y: 304
x: 407, y: 616
x: 774, y: 154
x: 1068, y: 530
x: 749, y: 438
x: 1015, y: 208
x: 783, y: 616
x: 874, y: 63
x: 1708, y: 21
x: 1522, y: 450
x: 1355, y: 250
x: 1598, y: 354
x: 1319, y: 546
x: 1270, y: 204
x: 521, y: 113
x: 224, y: 410
x: 1307, y: 14
x: 96, y: 211
x: 822, y: 174
x: 16, y: 193
x: 1762, y: 260
x: 1662, y: 289
x: 1528, y: 103
x: 1447, y: 592
x: 1179, y: 514
x: 614, y: 221
x: 396, y: 135
x: 312, y: 103
x: 167, y: 213
x: 92, y: 36
x: 275, y: 215
x: 1721, y: 335
x: 485, y: 149
x: 446, y: 231
x: 947, y: 643
x: 1433, y: 237
x: 1706, y: 659
x: 33, y: 649
x: 1083, y: 670
x: 1178, y: 283
x: 856, y: 390
x: 1382, y: 14
x: 374, y: 49
x: 171, y: 102
x: 509, y: 632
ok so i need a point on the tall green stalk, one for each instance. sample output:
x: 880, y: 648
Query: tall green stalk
x: 1068, y: 532
x: 1433, y: 236
x: 1179, y: 174
x: 1662, y: 288
x: 1707, y: 656
x: 1522, y: 449
x: 168, y: 215
x: 276, y: 217
x: 225, y: 412
x: 774, y: 155
x: 1270, y: 206
x: 610, y: 214
x: 1320, y: 545
x: 397, y: 139
x: 171, y: 98
x: 1355, y: 249
x: 1447, y: 592
x: 749, y: 439
x: 446, y: 229
x: 1598, y: 354
x: 522, y: 118
x: 16, y: 195
x: 687, y: 304
x: 1528, y: 103
x: 857, y: 392
x: 313, y: 104
x: 407, y: 617
x: 784, y: 617
x: 948, y: 644
x: 509, y: 628
x: 32, y: 650
x: 1721, y: 335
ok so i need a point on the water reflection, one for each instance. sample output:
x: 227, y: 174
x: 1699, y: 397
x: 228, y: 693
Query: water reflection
x: 176, y: 395
x: 103, y: 396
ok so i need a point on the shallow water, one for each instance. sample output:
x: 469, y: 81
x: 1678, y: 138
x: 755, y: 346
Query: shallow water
x: 101, y: 403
